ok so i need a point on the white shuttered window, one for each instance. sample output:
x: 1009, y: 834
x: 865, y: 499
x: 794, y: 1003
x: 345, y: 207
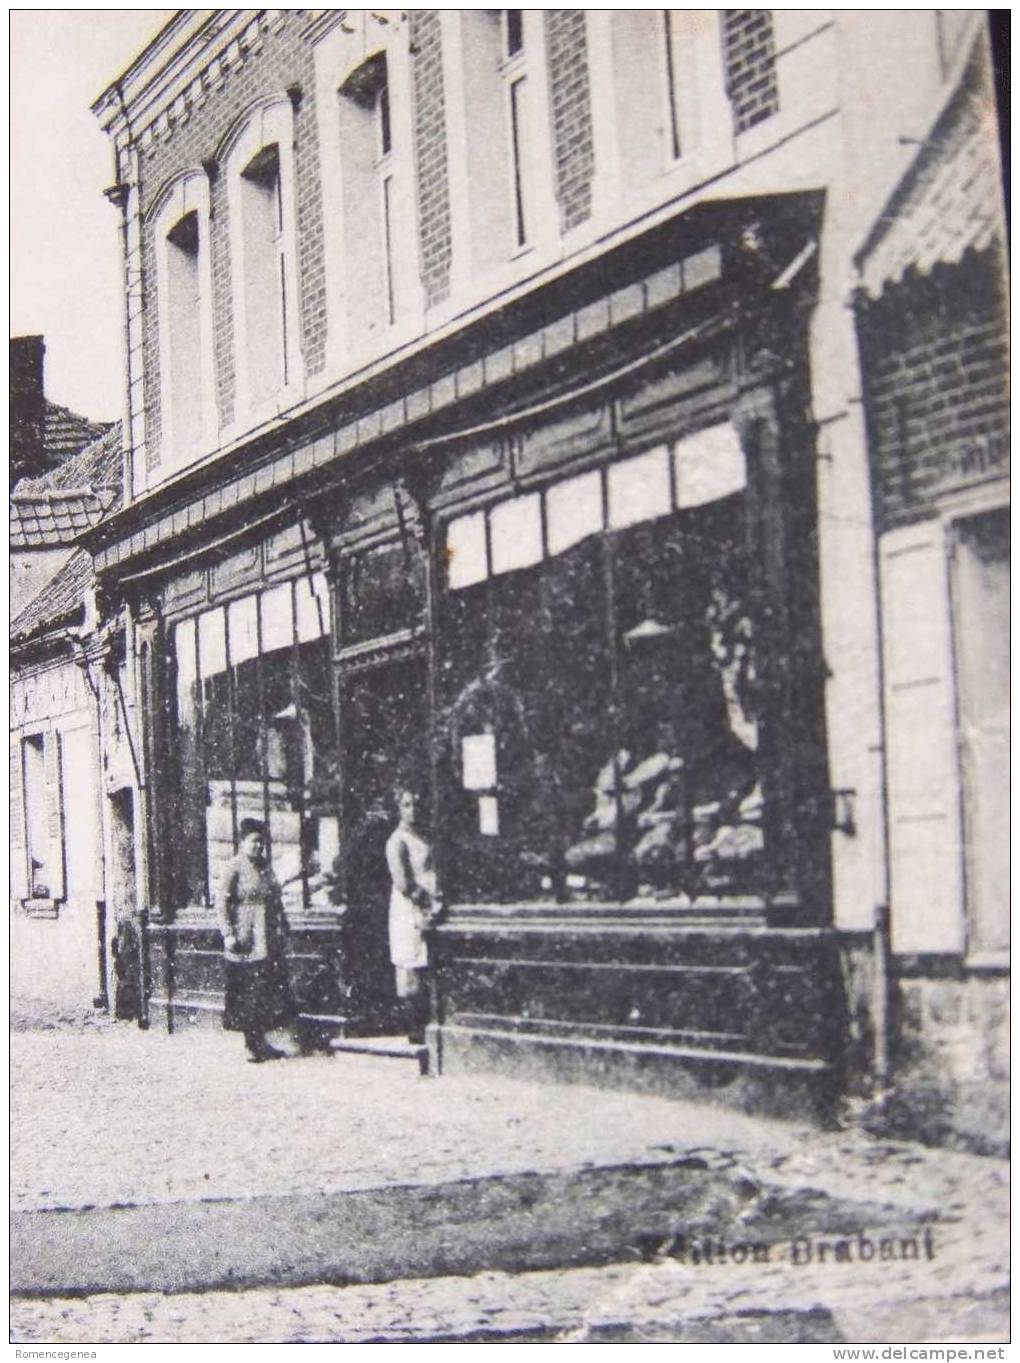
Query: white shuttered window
x: 922, y: 769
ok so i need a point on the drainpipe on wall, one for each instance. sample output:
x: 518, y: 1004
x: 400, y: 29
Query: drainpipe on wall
x: 881, y: 939
x: 79, y: 652
x: 119, y: 194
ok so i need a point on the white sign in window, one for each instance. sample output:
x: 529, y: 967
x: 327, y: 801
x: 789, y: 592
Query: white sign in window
x: 212, y: 642
x: 516, y: 530
x: 184, y: 653
x: 478, y: 759
x: 573, y: 511
x: 709, y: 465
x: 488, y: 816
x: 465, y: 550
x: 242, y: 617
x: 639, y: 488
x: 312, y: 608
x: 277, y: 618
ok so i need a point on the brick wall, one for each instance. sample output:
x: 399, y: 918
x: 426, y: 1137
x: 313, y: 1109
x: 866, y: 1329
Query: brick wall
x: 934, y: 356
x: 570, y: 105
x: 749, y: 54
x: 430, y: 154
x: 282, y: 60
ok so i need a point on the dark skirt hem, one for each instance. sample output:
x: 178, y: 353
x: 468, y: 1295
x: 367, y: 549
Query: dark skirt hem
x: 257, y: 996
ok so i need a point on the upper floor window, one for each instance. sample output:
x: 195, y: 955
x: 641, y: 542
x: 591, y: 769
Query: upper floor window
x: 518, y: 102
x: 384, y: 131
x: 265, y: 279
x: 513, y: 27
x: 187, y: 415
x: 263, y: 254
x: 749, y: 53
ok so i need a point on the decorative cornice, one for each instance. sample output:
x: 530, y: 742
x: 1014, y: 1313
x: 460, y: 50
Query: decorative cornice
x: 161, y: 90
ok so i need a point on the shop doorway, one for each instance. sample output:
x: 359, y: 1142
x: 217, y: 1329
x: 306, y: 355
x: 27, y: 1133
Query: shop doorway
x: 384, y: 710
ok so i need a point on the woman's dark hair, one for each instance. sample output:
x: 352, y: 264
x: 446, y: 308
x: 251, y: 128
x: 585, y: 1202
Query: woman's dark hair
x: 251, y: 826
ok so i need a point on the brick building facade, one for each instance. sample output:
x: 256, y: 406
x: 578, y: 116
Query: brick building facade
x: 493, y: 425
x: 933, y: 327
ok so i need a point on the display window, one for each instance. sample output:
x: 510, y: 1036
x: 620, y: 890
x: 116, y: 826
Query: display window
x: 599, y: 678
x: 254, y: 737
x: 383, y: 591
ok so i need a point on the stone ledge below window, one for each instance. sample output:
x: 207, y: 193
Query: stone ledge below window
x: 40, y: 908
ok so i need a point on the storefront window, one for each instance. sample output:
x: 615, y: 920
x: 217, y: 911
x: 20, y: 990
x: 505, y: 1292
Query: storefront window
x: 383, y: 591
x: 601, y: 699
x: 254, y: 738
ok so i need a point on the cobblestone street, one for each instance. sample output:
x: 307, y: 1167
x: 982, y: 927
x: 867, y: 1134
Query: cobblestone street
x: 112, y: 1124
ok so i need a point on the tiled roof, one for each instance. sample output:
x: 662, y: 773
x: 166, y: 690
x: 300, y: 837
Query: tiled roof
x: 97, y: 466
x: 65, y: 433
x: 949, y: 200
x: 45, y: 519
x: 61, y: 504
x: 59, y: 601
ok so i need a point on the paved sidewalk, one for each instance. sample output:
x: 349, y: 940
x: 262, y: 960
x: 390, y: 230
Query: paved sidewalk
x: 112, y: 1125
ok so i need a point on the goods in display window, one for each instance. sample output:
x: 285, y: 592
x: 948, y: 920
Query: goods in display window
x: 254, y: 738
x: 603, y: 700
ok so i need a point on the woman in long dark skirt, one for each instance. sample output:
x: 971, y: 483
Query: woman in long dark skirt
x: 254, y: 938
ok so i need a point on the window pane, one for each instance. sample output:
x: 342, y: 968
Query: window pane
x: 690, y: 774
x: 383, y: 591
x: 260, y: 740
x: 312, y: 601
x: 525, y: 688
x: 37, y: 817
x: 218, y: 760
x: 261, y: 217
x: 465, y: 550
x: 183, y: 645
x: 573, y: 510
x: 277, y: 606
x: 520, y: 146
x: 242, y: 619
x: 319, y: 765
x: 212, y: 643
x: 709, y: 465
x: 186, y: 866
x: 639, y: 488
x: 516, y: 530
x: 514, y: 31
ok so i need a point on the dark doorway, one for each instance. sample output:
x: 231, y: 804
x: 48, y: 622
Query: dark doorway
x: 385, y: 739
x: 126, y: 946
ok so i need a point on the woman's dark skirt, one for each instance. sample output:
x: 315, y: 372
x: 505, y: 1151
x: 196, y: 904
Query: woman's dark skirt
x: 258, y: 996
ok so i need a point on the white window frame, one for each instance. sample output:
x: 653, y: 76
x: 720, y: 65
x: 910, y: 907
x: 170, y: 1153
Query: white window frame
x: 385, y: 171
x: 343, y: 49
x: 516, y: 72
x: 270, y: 124
x: 188, y: 193
x: 51, y: 794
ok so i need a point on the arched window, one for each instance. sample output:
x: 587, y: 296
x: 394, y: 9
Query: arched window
x: 260, y: 194
x: 370, y: 164
x: 184, y: 290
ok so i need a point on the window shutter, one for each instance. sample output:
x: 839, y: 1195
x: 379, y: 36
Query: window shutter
x: 55, y: 814
x: 926, y: 896
x: 19, y: 842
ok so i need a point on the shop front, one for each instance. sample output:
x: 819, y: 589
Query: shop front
x: 571, y: 597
